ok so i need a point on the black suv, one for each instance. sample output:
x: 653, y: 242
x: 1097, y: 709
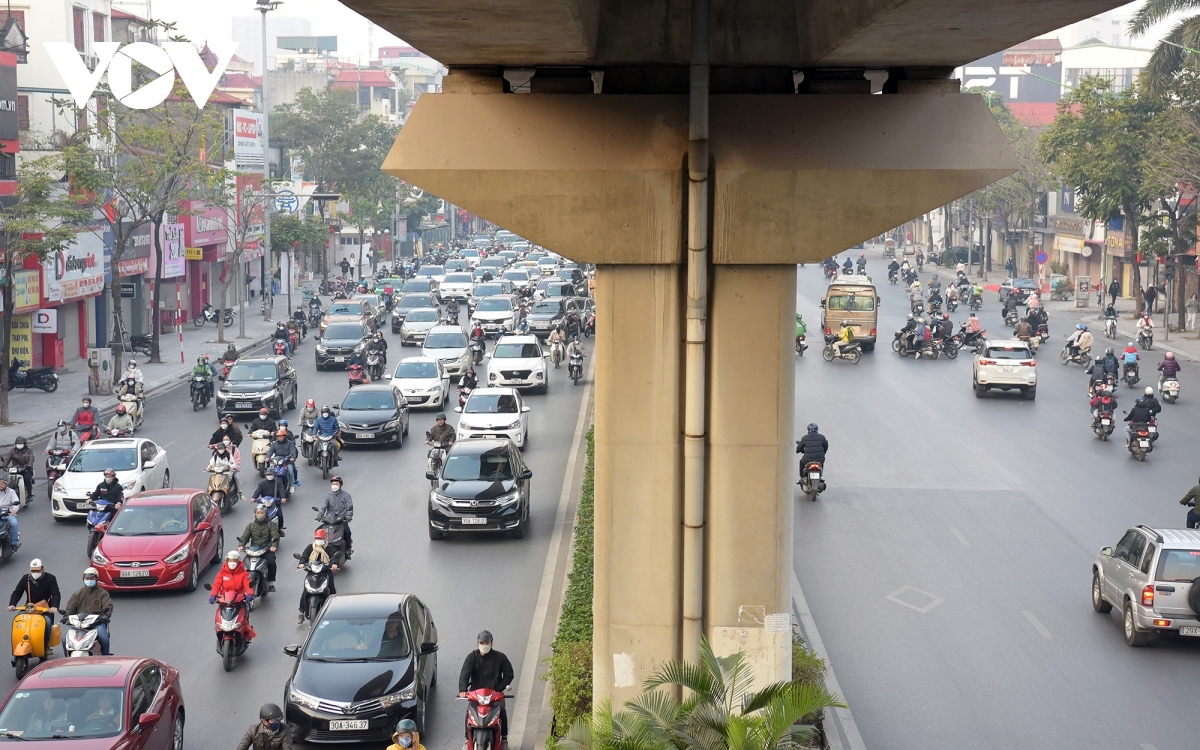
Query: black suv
x: 483, y: 486
x: 373, y: 414
x: 341, y: 339
x: 256, y: 382
x: 556, y: 312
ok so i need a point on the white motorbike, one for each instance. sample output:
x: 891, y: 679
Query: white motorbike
x: 1169, y: 391
x: 133, y: 406
x: 261, y: 443
x: 83, y: 639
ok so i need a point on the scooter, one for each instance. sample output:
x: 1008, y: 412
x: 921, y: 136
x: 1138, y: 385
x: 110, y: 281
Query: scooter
x: 100, y: 512
x: 375, y: 364
x: 56, y: 466
x: 810, y: 480
x: 199, y: 393
x: 225, y: 365
x: 1080, y: 357
x: 261, y: 443
x: 256, y: 569
x: 1129, y: 373
x: 852, y: 352
x: 575, y: 367
x: 483, y: 719
x: 6, y: 548
x: 280, y: 473
x: 477, y: 347
x: 1102, y: 425
x: 17, y: 482
x: 29, y: 636
x: 1169, y: 391
x: 220, y: 488
x: 976, y: 303
x: 1145, y: 339
x: 133, y: 405
x: 1110, y: 327
x: 357, y: 376
x: 801, y: 345
x: 1011, y: 316
x: 318, y: 585
x: 83, y: 639
x: 43, y: 378
x: 233, y: 626
x: 335, y: 538
x: 326, y: 454
x: 557, y: 353
x: 1140, y: 442
x: 436, y: 457
x: 589, y: 327
x: 463, y: 394
x: 280, y: 348
x: 209, y: 315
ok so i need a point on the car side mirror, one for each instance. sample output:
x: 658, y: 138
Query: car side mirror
x: 822, y: 305
x: 428, y: 647
x: 292, y: 649
x: 203, y: 526
x: 524, y: 409
x: 149, y: 464
x: 336, y: 406
x: 431, y: 476
x: 148, y: 719
x: 1107, y: 551
x: 526, y: 473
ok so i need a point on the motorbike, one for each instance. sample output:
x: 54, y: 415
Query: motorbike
x: 100, y: 513
x: 1102, y: 424
x: 357, y: 376
x: 260, y: 444
x: 1169, y: 390
x: 575, y: 367
x: 133, y: 405
x: 17, y: 482
x: 935, y: 309
x: 830, y: 272
x: 1042, y: 333
x: 335, y: 541
x: 1152, y: 428
x: 976, y: 341
x: 199, y: 392
x: 209, y: 315
x: 483, y: 719
x: 220, y: 488
x: 1011, y: 316
x: 280, y: 472
x: 557, y: 353
x: 952, y: 304
x: 477, y: 348
x: 948, y: 346
x: 375, y: 364
x: 56, y: 466
x: 1081, y: 357
x: 115, y: 432
x: 233, y: 626
x: 1110, y: 327
x: 256, y: 569
x: 801, y: 345
x: 83, y: 639
x: 142, y: 343
x: 928, y: 349
x: 851, y: 352
x: 1145, y: 339
x: 225, y: 365
x: 43, y: 378
x: 976, y: 302
x: 463, y: 394
x: 589, y: 326
x: 314, y: 317
x: 1129, y: 374
x: 271, y: 506
x: 280, y: 347
x: 436, y: 457
x: 307, y: 439
x: 917, y: 306
x: 326, y: 454
x: 893, y: 277
x: 1140, y: 443
x: 295, y: 334
x: 317, y: 578
x: 810, y: 480
x: 29, y: 636
x: 6, y: 548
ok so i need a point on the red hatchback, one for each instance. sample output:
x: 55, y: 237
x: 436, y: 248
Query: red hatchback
x: 99, y: 703
x: 160, y: 539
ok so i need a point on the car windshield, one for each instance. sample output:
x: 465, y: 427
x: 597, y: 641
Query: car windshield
x: 516, y: 275
x: 1179, y: 565
x: 492, y: 262
x: 417, y: 370
x: 1007, y: 352
x: 358, y: 639
x: 385, y: 399
x: 475, y: 467
x: 546, y: 262
x: 516, y: 351
x: 559, y: 290
x: 415, y: 300
x: 567, y: 274
x: 487, y: 290
x: 494, y: 305
x: 446, y: 340
x: 99, y: 459
x: 491, y: 403
x: 418, y: 285
x: 470, y: 253
x: 422, y: 316
x: 427, y: 271
x: 1024, y: 283
x: 855, y: 302
x: 344, y: 331
x: 70, y: 713
x: 346, y: 308
x: 257, y: 371
x: 547, y: 306
x: 458, y: 278
x: 149, y: 520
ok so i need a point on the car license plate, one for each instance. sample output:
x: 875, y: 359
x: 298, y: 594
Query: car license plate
x: 472, y: 521
x: 339, y: 359
x: 1144, y: 443
x: 1008, y: 368
x: 242, y: 405
x: 1189, y: 631
x: 135, y: 574
x: 341, y: 725
x: 1106, y: 422
x: 364, y: 435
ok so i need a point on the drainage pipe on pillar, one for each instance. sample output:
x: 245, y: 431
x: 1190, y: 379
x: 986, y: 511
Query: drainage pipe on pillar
x: 694, y: 388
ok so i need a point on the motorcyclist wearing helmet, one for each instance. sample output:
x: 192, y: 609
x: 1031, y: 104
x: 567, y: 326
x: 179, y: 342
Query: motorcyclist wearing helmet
x: 1168, y: 369
x: 86, y: 418
x: 264, y: 534
x: 575, y: 348
x: 1190, y: 499
x: 10, y: 500
x: 316, y: 550
x: 1080, y: 341
x: 62, y: 439
x: 488, y: 668
x: 812, y: 447
x: 38, y: 586
x: 1150, y: 402
x: 848, y: 266
x: 861, y: 262
x: 844, y: 338
x: 1112, y: 365
x: 300, y: 320
x: 109, y: 491
x: 441, y: 432
x: 232, y: 578
x: 121, y: 420
x: 132, y: 370
x: 309, y: 412
x: 406, y: 737
x: 93, y: 600
x: 270, y: 733
x: 1145, y: 324
x: 1037, y: 317
x: 1098, y: 375
x: 1010, y: 304
x: 378, y: 344
x: 340, y: 506
x: 203, y: 370
x: 1130, y: 357
x: 893, y: 269
x: 1139, y: 414
x: 469, y: 379
x: 327, y: 425
x: 227, y: 429
x: 263, y: 422
x: 227, y: 455
x: 21, y: 457
x: 281, y: 334
x: 285, y: 448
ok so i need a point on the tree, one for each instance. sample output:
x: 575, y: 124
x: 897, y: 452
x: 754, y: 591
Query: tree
x: 370, y: 190
x: 315, y: 127
x: 306, y: 236
x: 1104, y: 145
x: 242, y: 201
x: 39, y: 219
x: 718, y: 712
x: 1170, y: 54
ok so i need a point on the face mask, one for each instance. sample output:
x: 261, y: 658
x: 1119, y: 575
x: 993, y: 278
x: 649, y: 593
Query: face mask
x: 109, y: 480
x: 35, y: 575
x: 484, y: 648
x: 406, y: 742
x: 260, y: 516
x: 318, y: 543
x: 89, y: 582
x: 335, y: 487
x: 274, y: 725
x: 20, y: 446
x: 227, y: 445
x: 233, y: 566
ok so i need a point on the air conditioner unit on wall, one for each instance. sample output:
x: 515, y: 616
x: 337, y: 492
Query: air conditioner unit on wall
x: 91, y: 61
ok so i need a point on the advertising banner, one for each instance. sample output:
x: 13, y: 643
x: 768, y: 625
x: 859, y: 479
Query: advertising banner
x: 193, y: 253
x: 27, y: 294
x: 247, y: 139
x: 174, y: 260
x: 206, y: 226
x: 21, y: 346
x: 76, y: 272
x: 45, y: 321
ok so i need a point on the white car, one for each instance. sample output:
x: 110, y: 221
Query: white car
x: 521, y: 278
x: 495, y: 413
x: 495, y: 315
x: 448, y: 345
x: 417, y: 323
x: 548, y: 265
x: 458, y: 286
x: 1007, y: 364
x: 471, y: 256
x: 519, y: 362
x: 140, y: 465
x: 422, y: 381
x: 436, y: 273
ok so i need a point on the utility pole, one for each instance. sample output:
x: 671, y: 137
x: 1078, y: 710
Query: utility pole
x: 263, y: 7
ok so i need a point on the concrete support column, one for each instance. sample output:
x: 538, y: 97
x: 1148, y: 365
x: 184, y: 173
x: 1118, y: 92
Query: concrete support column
x: 639, y: 454
x: 751, y: 464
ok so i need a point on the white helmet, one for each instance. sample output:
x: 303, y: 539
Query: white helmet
x: 132, y: 365
x: 1149, y: 391
x: 232, y: 555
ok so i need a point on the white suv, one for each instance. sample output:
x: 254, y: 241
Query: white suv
x: 495, y: 413
x: 1006, y: 364
x: 457, y: 286
x: 518, y: 362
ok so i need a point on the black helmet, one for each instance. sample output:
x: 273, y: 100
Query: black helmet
x: 406, y: 725
x: 812, y: 427
x: 270, y: 712
x: 336, y: 478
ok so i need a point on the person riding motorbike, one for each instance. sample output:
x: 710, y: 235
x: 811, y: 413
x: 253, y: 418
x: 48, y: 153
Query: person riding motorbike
x: 357, y: 358
x: 441, y: 432
x: 10, y: 500
x: 893, y: 269
x: 121, y: 420
x: 469, y: 380
x: 1112, y: 364
x: 1023, y: 329
x: 309, y: 412
x: 232, y: 578
x: 86, y: 416
x: 338, y: 504
x: 935, y: 284
x: 945, y: 328
x: 1139, y: 414
x: 1145, y: 324
x: 1130, y: 357
x: 328, y: 425
x: 406, y: 737
x: 488, y: 668
x: 133, y: 371
x: 1168, y: 369
x: 38, y: 586
x: 378, y: 344
x: 263, y: 422
x: 62, y: 439
x: 861, y: 263
x: 452, y: 309
x: 316, y: 550
x: 1191, y: 499
x: 1037, y: 317
x: 920, y: 258
x: 270, y: 733
x: 21, y: 456
x: 228, y: 428
x: 908, y: 332
x: 93, y: 600
x: 844, y: 338
x: 131, y: 387
x: 1150, y: 402
x: 300, y: 319
x: 281, y: 334
x: 262, y: 533
x: 227, y: 455
x: 1010, y: 305
x: 848, y: 266
x: 230, y: 354
x: 1080, y: 341
x: 1103, y: 390
x: 202, y: 370
x: 283, y: 447
x: 972, y: 324
x: 1098, y: 375
x: 812, y: 448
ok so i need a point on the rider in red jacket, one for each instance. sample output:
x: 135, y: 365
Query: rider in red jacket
x: 233, y: 578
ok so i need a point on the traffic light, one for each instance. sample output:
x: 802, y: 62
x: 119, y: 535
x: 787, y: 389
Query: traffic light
x: 1169, y: 272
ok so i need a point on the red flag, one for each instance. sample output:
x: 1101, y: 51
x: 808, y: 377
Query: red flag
x: 110, y: 210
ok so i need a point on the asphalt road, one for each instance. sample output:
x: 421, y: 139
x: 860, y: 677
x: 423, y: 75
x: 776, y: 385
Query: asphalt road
x: 948, y: 565
x: 469, y: 584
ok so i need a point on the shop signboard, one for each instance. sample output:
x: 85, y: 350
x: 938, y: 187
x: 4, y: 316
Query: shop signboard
x: 27, y: 294
x: 21, y: 343
x: 45, y: 321
x: 1066, y: 244
x: 76, y: 272
x: 204, y: 226
x: 174, y: 261
x: 193, y: 253
x: 247, y: 138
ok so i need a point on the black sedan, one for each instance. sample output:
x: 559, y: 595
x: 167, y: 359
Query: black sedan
x: 483, y: 486
x: 256, y: 382
x: 373, y: 415
x: 370, y: 662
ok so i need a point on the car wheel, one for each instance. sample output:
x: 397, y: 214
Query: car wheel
x: 434, y: 534
x: 177, y: 732
x: 193, y: 576
x: 1030, y: 393
x: 398, y: 443
x: 220, y: 552
x: 1133, y: 636
x: 166, y: 479
x: 1098, y: 602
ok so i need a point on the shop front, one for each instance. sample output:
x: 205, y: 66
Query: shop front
x: 134, y: 272
x: 70, y: 279
x: 205, y: 237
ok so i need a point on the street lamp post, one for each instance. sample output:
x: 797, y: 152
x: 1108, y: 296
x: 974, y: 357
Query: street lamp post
x: 263, y: 7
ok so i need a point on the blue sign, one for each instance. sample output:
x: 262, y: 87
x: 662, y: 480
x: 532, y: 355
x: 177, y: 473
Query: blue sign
x: 286, y: 202
x: 1041, y: 258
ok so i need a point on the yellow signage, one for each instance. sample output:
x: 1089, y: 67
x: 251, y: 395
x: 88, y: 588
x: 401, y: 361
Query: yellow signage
x: 26, y: 291
x: 193, y: 253
x: 22, y: 339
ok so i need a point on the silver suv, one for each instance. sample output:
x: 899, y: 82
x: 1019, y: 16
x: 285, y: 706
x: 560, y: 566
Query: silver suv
x: 1153, y: 575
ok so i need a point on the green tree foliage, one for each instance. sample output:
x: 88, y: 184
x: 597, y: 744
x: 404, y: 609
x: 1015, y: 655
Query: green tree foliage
x: 1170, y: 56
x: 317, y: 127
x: 291, y: 232
x: 39, y: 219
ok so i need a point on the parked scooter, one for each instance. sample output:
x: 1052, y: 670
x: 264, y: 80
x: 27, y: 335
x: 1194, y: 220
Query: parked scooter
x: 43, y: 378
x: 29, y: 637
x: 233, y: 626
x: 318, y: 583
x: 209, y: 315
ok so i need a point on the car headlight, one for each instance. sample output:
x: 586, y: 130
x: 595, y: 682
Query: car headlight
x: 509, y: 499
x: 58, y: 487
x: 392, y: 699
x: 390, y: 425
x: 435, y: 389
x: 440, y: 500
x: 321, y: 349
x: 538, y: 375
x: 512, y: 426
x: 465, y: 356
x: 129, y: 485
x: 303, y: 699
x: 359, y: 349
x: 491, y: 376
x: 178, y: 555
x: 98, y: 558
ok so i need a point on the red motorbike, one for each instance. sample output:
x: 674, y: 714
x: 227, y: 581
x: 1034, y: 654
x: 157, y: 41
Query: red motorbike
x: 280, y: 346
x: 294, y: 337
x: 225, y: 365
x: 233, y: 625
x: 358, y: 376
x: 483, y: 719
x: 56, y: 466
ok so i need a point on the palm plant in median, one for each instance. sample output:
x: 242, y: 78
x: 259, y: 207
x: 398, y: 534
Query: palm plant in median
x: 718, y: 711
x: 1171, y: 52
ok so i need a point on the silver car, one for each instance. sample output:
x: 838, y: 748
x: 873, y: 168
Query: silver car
x: 417, y: 324
x: 448, y: 345
x: 1149, y: 575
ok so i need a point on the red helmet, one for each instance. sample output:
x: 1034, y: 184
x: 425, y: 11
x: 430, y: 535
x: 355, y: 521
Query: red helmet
x: 120, y: 408
x: 320, y: 534
x: 310, y: 404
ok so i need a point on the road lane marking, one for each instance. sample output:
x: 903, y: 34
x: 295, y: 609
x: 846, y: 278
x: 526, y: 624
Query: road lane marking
x: 842, y: 717
x: 1148, y: 747
x: 1036, y: 623
x: 934, y: 599
x: 541, y: 611
x: 961, y: 539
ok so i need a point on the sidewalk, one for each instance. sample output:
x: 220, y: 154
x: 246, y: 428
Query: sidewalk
x: 1183, y: 343
x: 35, y: 413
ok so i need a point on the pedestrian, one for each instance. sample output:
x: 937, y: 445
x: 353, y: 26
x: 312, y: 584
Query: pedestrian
x: 1008, y: 266
x: 345, y: 268
x: 1100, y: 291
x: 1114, y: 291
x: 1150, y: 295
x: 1191, y: 307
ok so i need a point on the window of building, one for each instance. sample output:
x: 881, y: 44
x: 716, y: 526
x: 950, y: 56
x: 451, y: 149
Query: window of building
x: 80, y: 31
x: 98, y: 22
